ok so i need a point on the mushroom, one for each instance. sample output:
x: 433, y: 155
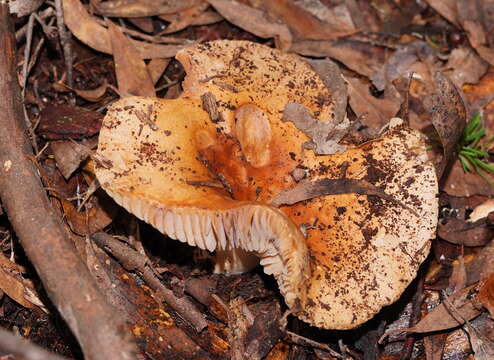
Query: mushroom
x: 206, y: 168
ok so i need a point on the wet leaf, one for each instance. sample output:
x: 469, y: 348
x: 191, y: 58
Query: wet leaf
x: 324, y: 135
x: 90, y: 32
x: 253, y: 20
x: 64, y: 122
x: 132, y: 74
x: 448, y: 115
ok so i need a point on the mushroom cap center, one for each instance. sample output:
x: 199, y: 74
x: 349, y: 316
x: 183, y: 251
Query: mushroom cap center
x: 253, y: 131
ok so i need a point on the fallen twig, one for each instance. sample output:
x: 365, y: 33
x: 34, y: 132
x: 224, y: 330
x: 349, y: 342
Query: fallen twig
x: 132, y: 260
x: 65, y: 277
x: 65, y: 42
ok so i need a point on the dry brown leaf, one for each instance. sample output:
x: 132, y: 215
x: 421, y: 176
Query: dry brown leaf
x: 207, y: 17
x: 24, y: 7
x: 461, y: 232
x: 18, y: 288
x: 448, y: 115
x: 94, y: 219
x: 446, y: 8
x: 93, y: 95
x: 143, y: 23
x: 280, y: 351
x: 476, y: 268
x: 91, y: 33
x: 140, y: 8
x: 253, y: 21
x: 457, y: 182
x: 324, y: 135
x: 156, y: 67
x: 486, y: 53
x: 330, y: 74
x: 304, y: 24
x: 68, y: 156
x: 400, y: 62
x: 477, y: 19
x: 361, y: 57
x: 132, y: 74
x: 186, y: 17
x: 482, y: 346
x: 458, y: 278
x: 374, y: 112
x: 459, y: 309
x: 486, y: 294
x: 434, y: 346
x: 337, y: 17
x: 466, y: 67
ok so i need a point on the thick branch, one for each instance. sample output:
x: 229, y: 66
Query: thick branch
x: 42, y: 235
x: 15, y: 345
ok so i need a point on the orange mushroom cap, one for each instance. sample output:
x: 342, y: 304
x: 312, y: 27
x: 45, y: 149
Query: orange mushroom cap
x: 205, y: 168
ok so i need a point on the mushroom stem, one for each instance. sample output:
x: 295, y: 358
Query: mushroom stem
x: 234, y: 261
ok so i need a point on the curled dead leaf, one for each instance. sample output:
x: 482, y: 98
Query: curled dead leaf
x: 142, y: 8
x: 91, y: 33
x: 442, y: 317
x: 448, y: 115
x: 132, y: 74
x: 254, y: 21
x: 324, y: 136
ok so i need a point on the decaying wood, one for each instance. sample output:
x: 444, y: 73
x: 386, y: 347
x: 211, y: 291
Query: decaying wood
x: 132, y: 260
x: 65, y: 277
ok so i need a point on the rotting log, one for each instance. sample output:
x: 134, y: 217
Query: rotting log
x: 66, y: 279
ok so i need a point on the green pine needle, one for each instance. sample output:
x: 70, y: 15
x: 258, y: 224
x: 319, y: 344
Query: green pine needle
x: 472, y: 150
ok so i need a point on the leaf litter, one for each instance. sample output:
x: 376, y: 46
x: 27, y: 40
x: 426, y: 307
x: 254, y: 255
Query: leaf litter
x: 365, y: 73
